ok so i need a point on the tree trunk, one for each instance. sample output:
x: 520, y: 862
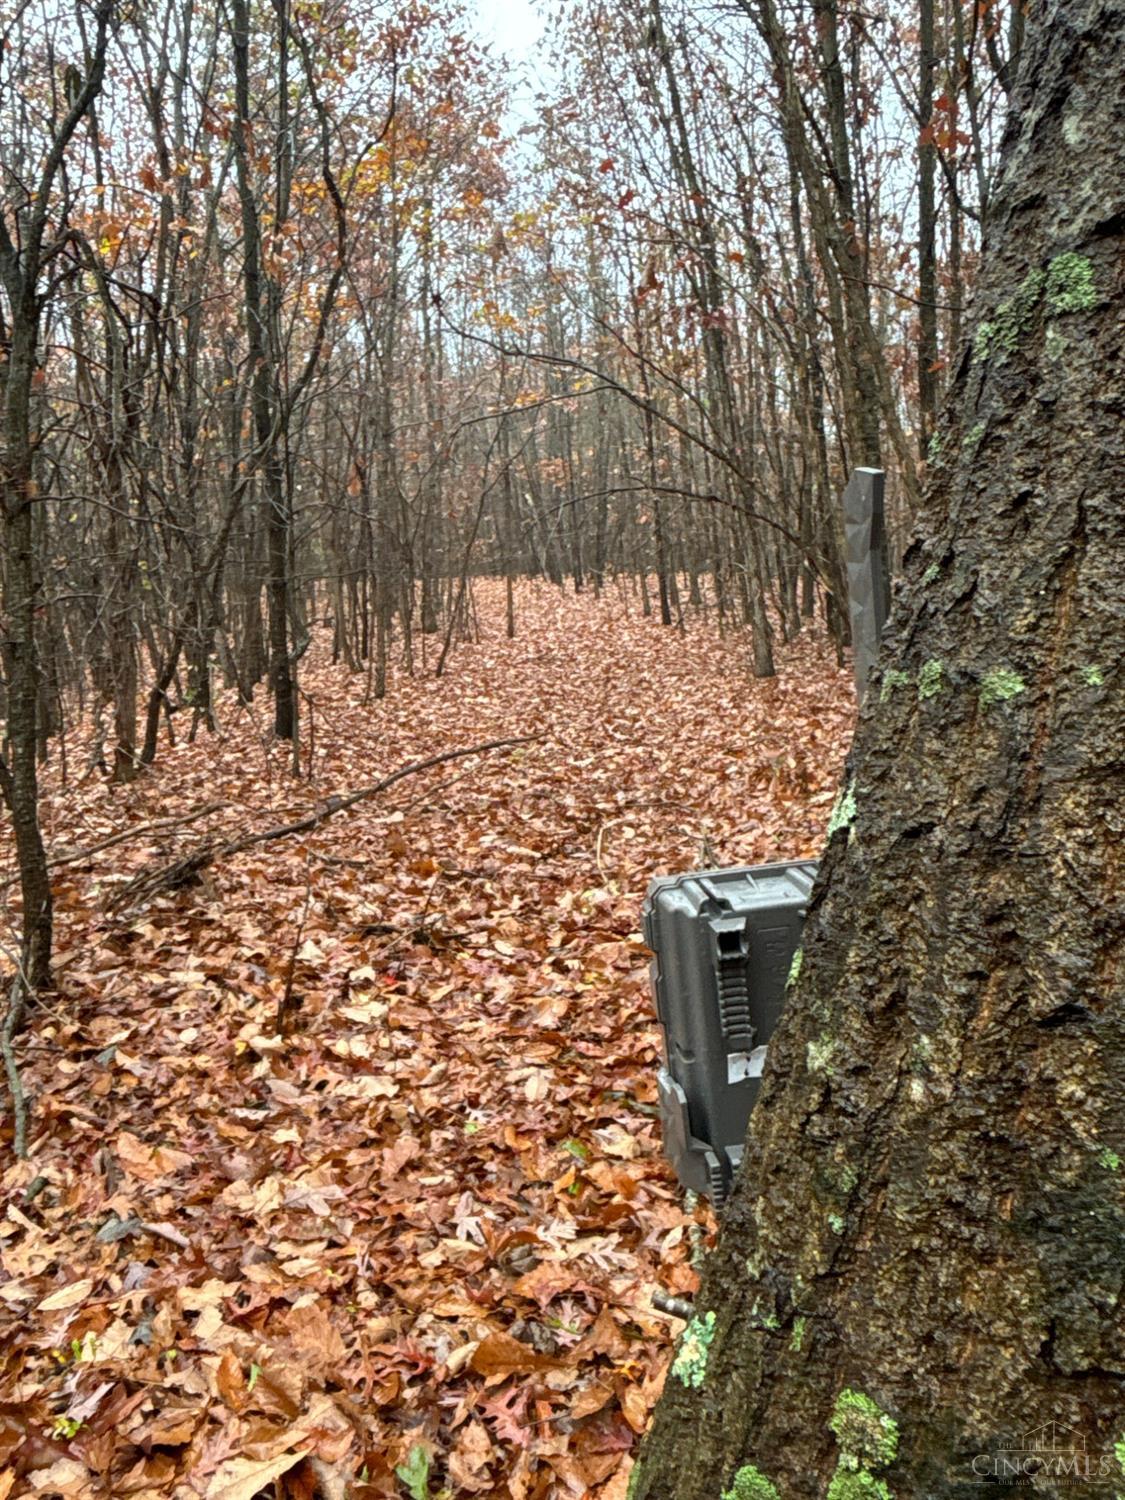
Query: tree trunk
x: 922, y: 1261
x: 24, y: 256
x: 260, y: 297
x: 21, y: 789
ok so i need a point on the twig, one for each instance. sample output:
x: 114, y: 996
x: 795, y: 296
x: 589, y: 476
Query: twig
x: 338, y: 859
x: 431, y: 792
x: 311, y: 701
x: 417, y: 929
x: 420, y: 924
x: 349, y: 799
x: 599, y: 846
x: 166, y: 1232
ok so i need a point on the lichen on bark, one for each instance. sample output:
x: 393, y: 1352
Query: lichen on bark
x: 690, y: 1363
x: 751, y: 1484
x: 1000, y: 684
x: 930, y: 678
x: 1070, y: 284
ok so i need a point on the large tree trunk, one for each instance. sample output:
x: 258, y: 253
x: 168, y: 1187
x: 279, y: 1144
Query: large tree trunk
x: 923, y: 1259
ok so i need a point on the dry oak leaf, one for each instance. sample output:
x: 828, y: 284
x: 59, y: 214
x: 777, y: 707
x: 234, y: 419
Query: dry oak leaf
x: 634, y: 1407
x: 590, y: 1398
x: 616, y: 1141
x: 170, y: 1428
x: 604, y: 1336
x: 258, y: 1199
x: 471, y: 1454
x: 395, y: 1157
x: 545, y: 1282
x: 212, y: 1293
x: 618, y: 1486
x: 149, y: 1479
x: 570, y: 1471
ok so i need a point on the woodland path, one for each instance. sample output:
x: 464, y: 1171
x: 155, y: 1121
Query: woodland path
x: 425, y: 1220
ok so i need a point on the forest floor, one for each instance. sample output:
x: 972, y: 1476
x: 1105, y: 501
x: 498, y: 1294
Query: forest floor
x: 417, y: 1227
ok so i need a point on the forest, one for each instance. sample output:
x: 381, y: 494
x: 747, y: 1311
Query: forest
x: 420, y: 490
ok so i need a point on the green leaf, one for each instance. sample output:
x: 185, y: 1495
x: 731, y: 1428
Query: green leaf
x: 415, y: 1472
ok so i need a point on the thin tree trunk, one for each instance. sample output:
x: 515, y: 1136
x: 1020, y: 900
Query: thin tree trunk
x: 927, y: 255
x: 23, y: 260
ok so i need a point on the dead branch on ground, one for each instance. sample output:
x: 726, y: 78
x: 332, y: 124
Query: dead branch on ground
x: 161, y: 825
x: 187, y: 868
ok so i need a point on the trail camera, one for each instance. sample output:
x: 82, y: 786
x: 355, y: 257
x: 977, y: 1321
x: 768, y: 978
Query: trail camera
x: 723, y: 942
x: 724, y: 939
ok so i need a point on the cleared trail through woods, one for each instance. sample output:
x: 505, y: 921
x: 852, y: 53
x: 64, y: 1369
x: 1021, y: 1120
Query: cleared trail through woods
x: 423, y: 1212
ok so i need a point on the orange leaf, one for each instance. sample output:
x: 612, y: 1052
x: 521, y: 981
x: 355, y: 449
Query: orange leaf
x: 230, y: 1380
x: 500, y: 1355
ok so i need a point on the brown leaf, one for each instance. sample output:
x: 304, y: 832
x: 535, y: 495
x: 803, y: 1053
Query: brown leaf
x: 395, y: 1157
x: 148, y: 1163
x: 316, y: 1338
x: 171, y: 1428
x: 546, y: 1282
x: 470, y: 1456
x: 231, y: 1381
x: 499, y: 1355
x: 589, y: 1399
x: 633, y: 1406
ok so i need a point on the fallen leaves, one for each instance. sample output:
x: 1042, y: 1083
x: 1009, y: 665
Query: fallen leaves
x: 417, y: 1232
x: 148, y: 1163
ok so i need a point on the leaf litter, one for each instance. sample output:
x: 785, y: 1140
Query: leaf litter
x: 398, y: 1234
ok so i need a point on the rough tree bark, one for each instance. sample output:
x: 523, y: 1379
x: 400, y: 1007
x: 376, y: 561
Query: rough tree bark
x: 923, y: 1258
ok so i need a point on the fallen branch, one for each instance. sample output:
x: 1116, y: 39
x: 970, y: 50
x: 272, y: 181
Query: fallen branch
x: 187, y: 869
x: 161, y: 825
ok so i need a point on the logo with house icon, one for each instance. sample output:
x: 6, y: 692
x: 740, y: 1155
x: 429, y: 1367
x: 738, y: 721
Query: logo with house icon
x: 1050, y: 1437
